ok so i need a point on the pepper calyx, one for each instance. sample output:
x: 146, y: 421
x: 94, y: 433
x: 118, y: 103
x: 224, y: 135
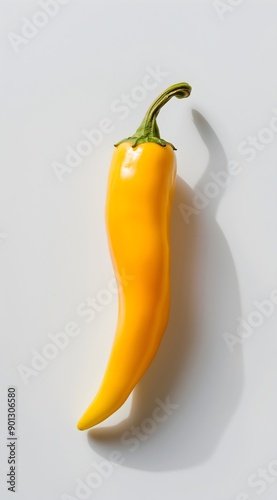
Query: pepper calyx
x: 148, y: 131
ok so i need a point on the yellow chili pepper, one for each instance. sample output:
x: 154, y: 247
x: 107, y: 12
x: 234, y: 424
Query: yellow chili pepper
x: 138, y: 206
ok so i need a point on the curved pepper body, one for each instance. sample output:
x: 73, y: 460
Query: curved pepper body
x: 138, y: 206
x: 139, y: 197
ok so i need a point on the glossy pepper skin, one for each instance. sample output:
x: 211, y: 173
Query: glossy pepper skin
x: 138, y: 207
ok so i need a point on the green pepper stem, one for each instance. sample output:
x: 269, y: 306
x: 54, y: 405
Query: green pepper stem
x: 148, y: 131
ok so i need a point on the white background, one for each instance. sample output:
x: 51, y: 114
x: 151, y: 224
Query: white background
x: 54, y: 254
